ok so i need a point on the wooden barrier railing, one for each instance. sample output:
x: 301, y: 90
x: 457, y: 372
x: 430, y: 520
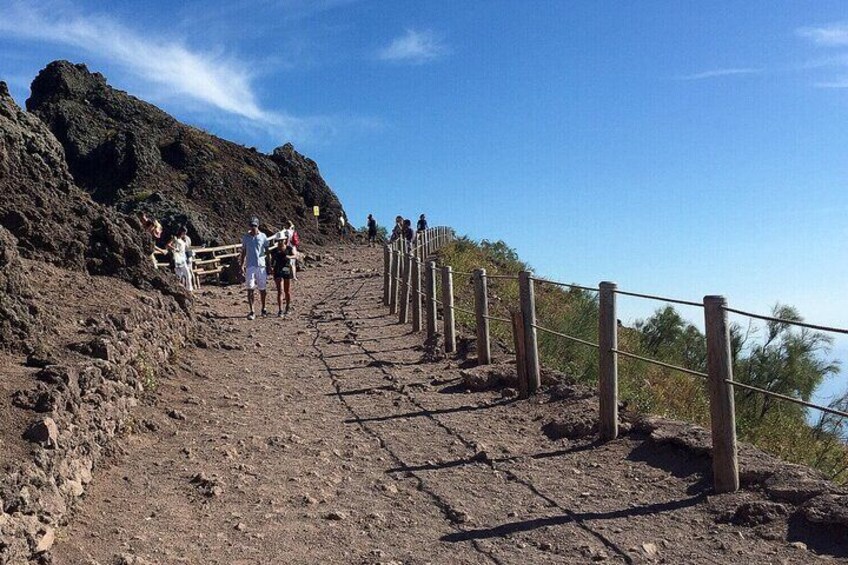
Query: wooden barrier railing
x: 206, y: 261
x: 402, y: 290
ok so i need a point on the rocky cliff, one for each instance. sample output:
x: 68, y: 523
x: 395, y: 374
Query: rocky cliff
x: 86, y: 326
x: 129, y: 154
x: 44, y: 216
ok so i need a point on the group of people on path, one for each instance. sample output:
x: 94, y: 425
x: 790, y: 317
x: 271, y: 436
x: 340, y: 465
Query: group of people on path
x: 179, y: 245
x: 403, y: 230
x: 262, y: 256
x: 257, y: 262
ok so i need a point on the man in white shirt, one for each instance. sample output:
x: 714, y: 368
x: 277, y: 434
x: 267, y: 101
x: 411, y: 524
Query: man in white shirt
x: 254, y: 244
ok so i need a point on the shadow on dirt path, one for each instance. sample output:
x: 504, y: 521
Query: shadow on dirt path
x: 330, y: 437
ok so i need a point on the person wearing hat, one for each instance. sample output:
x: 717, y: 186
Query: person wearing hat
x: 254, y: 244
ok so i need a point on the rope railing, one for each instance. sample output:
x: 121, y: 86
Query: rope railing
x: 525, y: 327
x: 566, y: 336
x: 464, y: 311
x: 799, y: 323
x: 569, y: 285
x: 498, y: 319
x: 661, y: 363
x: 787, y: 398
x: 660, y: 298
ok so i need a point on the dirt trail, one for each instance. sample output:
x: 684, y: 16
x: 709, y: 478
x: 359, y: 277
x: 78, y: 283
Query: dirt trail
x: 329, y: 437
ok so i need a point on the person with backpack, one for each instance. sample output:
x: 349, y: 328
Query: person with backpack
x: 372, y: 231
x: 282, y: 268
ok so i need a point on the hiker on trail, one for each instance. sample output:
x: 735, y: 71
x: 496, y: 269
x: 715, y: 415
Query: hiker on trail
x: 254, y: 244
x: 372, y: 231
x: 282, y: 267
x: 342, y: 225
x: 397, y: 231
x: 180, y: 246
x: 422, y: 223
x: 408, y: 234
x: 294, y: 242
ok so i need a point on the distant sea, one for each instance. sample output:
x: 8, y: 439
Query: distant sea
x: 836, y: 385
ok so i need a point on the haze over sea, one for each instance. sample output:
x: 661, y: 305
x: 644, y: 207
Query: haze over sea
x: 680, y: 149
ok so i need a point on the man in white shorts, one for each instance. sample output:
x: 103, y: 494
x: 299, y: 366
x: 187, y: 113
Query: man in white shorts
x: 254, y: 244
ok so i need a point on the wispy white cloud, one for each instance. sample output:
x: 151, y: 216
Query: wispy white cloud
x: 715, y: 73
x: 219, y: 81
x: 837, y: 83
x: 834, y: 37
x: 414, y: 47
x: 834, y: 34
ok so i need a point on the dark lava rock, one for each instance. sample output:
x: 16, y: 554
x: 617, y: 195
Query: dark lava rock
x: 43, y: 431
x: 17, y: 310
x: 758, y: 512
x: 45, y: 216
x: 827, y: 509
x: 131, y: 155
x: 797, y: 484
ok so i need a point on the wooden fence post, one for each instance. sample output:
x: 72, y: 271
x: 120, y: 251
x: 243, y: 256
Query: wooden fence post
x: 528, y: 312
x: 481, y: 311
x: 447, y: 309
x: 394, y: 282
x: 608, y: 361
x: 387, y: 273
x: 406, y: 276
x: 722, y: 409
x: 416, y: 295
x: 431, y: 311
x: 520, y: 354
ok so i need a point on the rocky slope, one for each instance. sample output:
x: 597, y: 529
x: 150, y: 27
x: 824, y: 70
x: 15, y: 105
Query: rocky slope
x: 129, y: 154
x: 86, y: 326
x: 44, y: 216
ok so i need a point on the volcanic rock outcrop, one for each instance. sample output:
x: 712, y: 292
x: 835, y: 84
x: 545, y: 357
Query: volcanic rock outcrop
x: 129, y: 154
x: 44, y: 216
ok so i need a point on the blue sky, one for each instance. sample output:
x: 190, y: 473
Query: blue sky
x: 677, y: 148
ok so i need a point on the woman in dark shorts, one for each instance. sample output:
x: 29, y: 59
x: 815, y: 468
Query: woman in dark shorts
x: 281, y: 267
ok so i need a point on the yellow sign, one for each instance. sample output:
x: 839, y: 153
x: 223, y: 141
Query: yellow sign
x: 315, y: 211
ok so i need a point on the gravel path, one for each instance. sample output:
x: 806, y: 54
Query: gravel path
x: 331, y: 437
